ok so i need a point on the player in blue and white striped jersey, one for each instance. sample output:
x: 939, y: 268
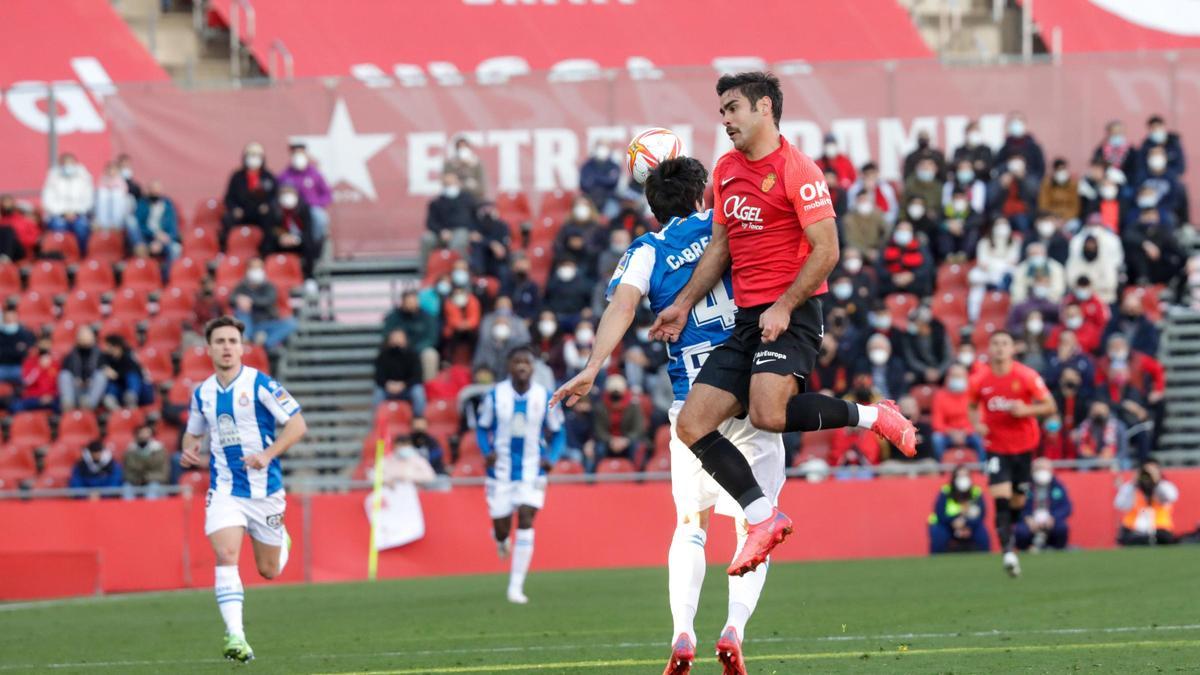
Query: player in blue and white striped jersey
x: 249, y: 420
x: 514, y: 424
x: 657, y: 266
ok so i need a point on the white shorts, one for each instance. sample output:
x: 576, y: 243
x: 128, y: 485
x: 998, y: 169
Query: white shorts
x: 504, y: 496
x: 262, y: 518
x: 695, y: 491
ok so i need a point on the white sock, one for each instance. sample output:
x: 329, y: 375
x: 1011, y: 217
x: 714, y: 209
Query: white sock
x: 685, y: 576
x: 230, y: 597
x: 759, y: 510
x: 284, y: 550
x: 521, y: 555
x: 867, y: 414
x: 743, y: 594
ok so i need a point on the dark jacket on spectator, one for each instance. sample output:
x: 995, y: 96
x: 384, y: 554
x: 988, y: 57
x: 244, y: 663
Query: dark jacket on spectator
x: 82, y: 363
x: 296, y: 221
x: 1176, y: 161
x: 451, y: 213
x: 397, y: 364
x: 1140, y: 331
x: 15, y: 346
x: 145, y: 465
x: 921, y: 352
x: 526, y: 296
x: 420, y: 327
x: 632, y: 424
x: 239, y: 195
x: 598, y: 179
x: 914, y: 258
x: 89, y: 474
x: 10, y: 244
x: 264, y: 296
x: 1026, y: 147
x: 567, y: 297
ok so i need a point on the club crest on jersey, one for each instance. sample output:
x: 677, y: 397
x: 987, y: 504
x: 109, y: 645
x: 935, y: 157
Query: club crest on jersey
x: 1016, y: 386
x: 768, y: 182
x: 243, y: 400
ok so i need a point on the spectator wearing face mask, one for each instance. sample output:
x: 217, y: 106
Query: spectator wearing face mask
x: 157, y: 224
x: 1014, y: 194
x: 861, y: 276
x: 398, y: 374
x: 96, y: 469
x: 255, y: 304
x: 460, y: 327
x: 905, y: 265
x: 127, y: 385
x: 865, y: 227
x: 290, y: 230
x: 959, y: 232
x: 837, y: 194
x: 1147, y: 505
x: 1085, y: 332
x: 114, y: 205
x: 581, y: 239
x: 1089, y: 261
x: 499, y: 332
x: 643, y: 357
x: 1158, y: 136
x: 549, y: 341
x: 250, y: 193
x: 1031, y: 345
x: 426, y: 446
x: 1147, y: 198
x: 606, y: 263
x: 974, y: 151
x: 950, y: 421
x: 924, y: 180
x: 526, y: 296
x: 1043, y: 522
x: 925, y: 348
x: 146, y: 463
x: 880, y: 191
x: 567, y: 292
x: 1068, y: 354
x: 18, y: 232
x: 958, y: 523
x: 1153, y: 253
x: 829, y: 376
x: 578, y: 348
x: 970, y: 183
x: 1059, y: 195
x: 68, y: 196
x: 924, y: 152
x: 15, y: 342
x: 1021, y: 143
x: 1146, y: 373
x: 449, y: 219
x: 1116, y: 149
x: 1033, y: 319
x: 887, y: 374
x: 1048, y: 232
x: 921, y: 217
x: 618, y: 422
x: 490, y: 243
x: 997, y: 254
x: 852, y: 301
x: 833, y: 159
x: 1089, y: 188
x: 1112, y: 200
x: 599, y: 177
x: 39, y: 381
x: 464, y: 163
x: 1039, y: 276
x: 1129, y: 405
x: 420, y: 329
x: 967, y: 358
x: 1131, y: 323
x: 1101, y: 436
x: 80, y: 383
x: 310, y: 184
x: 1058, y: 441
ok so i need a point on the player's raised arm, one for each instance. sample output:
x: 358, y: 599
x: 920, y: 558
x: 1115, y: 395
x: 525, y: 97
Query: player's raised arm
x: 708, y: 272
x: 614, y: 323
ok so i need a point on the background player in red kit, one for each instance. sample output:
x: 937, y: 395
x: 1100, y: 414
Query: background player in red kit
x: 773, y: 218
x: 1012, y: 397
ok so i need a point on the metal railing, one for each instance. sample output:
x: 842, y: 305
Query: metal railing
x: 279, y: 52
x: 235, y: 33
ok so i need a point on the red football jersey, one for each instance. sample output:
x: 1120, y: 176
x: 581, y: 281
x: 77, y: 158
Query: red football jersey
x: 765, y: 206
x: 995, y: 395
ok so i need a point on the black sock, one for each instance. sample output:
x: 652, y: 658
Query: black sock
x: 813, y: 412
x: 1004, y: 521
x: 728, y: 467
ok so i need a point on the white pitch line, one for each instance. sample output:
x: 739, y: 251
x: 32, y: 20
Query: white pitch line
x: 638, y: 645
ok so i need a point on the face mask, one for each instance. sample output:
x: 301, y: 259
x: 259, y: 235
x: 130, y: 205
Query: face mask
x: 1156, y: 162
x: 1042, y: 477
x: 465, y: 154
x: 974, y: 138
x: 289, y: 200
x: 602, y: 153
x: 127, y: 173
x: 965, y: 175
x: 864, y: 208
x: 1002, y: 231
x: 903, y: 237
x: 451, y: 191
x: 501, y: 332
x: 581, y: 213
x: 966, y: 359
x: 299, y: 161
x: 1074, y: 322
x: 584, y: 336
x: 643, y: 334
x: 1098, y: 419
x: 882, y: 323
x: 443, y: 288
x: 1062, y: 176
x: 1121, y: 355
x: 1035, y: 327
x: 1041, y: 292
x: 831, y: 150
x: 254, y: 161
x: 1046, y: 228
x: 1158, y: 136
x: 566, y: 273
x: 853, y: 265
x: 962, y: 483
x: 916, y: 211
x: 1109, y: 192
x: 1016, y: 166
x: 10, y: 328
x: 547, y: 328
x: 878, y: 357
x: 1037, y: 260
x: 256, y: 276
x: 1053, y: 425
x: 925, y: 175
x: 842, y: 291
x: 1147, y: 201
x: 616, y: 247
x: 460, y: 277
x: 960, y: 206
x: 1016, y: 128
x: 460, y: 299
x: 1116, y: 139
x: 70, y: 170
x: 956, y: 385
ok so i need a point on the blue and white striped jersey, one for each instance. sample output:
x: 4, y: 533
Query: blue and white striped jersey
x: 241, y: 420
x: 514, y: 426
x: 659, y: 264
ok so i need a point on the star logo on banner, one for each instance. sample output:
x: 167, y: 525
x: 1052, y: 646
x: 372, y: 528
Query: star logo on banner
x: 343, y: 153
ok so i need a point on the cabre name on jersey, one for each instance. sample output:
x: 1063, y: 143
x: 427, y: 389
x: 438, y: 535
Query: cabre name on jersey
x: 688, y: 255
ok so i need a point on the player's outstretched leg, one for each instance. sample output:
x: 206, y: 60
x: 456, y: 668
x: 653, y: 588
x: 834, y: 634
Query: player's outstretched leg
x: 685, y: 577
x: 814, y: 412
x: 729, y: 653
x: 522, y: 554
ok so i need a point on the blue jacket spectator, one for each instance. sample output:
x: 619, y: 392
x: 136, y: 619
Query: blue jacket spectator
x: 96, y: 469
x: 1043, y: 521
x: 1130, y: 321
x: 1157, y: 136
x: 1172, y: 196
x: 157, y: 223
x: 15, y: 341
x: 958, y: 523
x: 598, y: 179
x: 1020, y: 143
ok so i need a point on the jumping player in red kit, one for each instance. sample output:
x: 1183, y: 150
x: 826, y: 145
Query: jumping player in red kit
x: 1012, y: 397
x: 773, y: 219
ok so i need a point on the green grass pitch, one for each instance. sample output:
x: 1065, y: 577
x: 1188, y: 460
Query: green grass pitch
x: 1110, y: 611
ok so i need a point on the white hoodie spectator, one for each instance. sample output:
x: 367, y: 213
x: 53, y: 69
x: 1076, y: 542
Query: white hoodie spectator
x: 998, y: 253
x: 114, y: 205
x: 68, y: 188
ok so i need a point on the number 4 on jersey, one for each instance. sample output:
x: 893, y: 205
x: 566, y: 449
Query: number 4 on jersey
x: 716, y: 306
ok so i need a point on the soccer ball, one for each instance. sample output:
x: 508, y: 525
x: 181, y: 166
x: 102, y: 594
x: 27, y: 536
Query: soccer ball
x: 649, y: 148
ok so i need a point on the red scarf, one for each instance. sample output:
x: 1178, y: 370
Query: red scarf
x: 252, y: 176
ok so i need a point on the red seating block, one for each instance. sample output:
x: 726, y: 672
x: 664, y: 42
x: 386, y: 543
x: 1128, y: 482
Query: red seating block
x: 35, y: 309
x: 177, y: 304
x: 49, y: 277
x: 30, y: 429
x: 994, y: 308
x: 467, y: 468
x: 255, y: 357
x: 62, y: 339
x: 61, y: 245
x: 284, y: 270
x: 164, y: 334
x: 118, y: 326
x: 157, y: 364
x: 208, y: 212
x: 615, y: 465
x: 396, y: 416
x: 95, y: 276
x: 952, y: 278
x: 195, y: 364
x: 106, y: 246
x: 10, y: 280
x: 201, y: 243
x: 566, y: 467
x: 122, y: 426
x: 541, y: 258
x: 440, y: 262
x: 187, y: 273
x: 899, y: 306
x: 230, y: 271
x: 78, y: 427
x: 142, y: 274
x: 130, y: 304
x: 244, y: 242
x: 442, y: 412
x: 82, y: 307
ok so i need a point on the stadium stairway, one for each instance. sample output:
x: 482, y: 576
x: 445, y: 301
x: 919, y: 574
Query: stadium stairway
x: 1180, y: 353
x: 329, y: 365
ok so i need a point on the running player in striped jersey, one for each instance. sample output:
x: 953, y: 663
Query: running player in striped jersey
x: 513, y: 425
x: 249, y: 420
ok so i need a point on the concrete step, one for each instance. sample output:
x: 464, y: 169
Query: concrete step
x: 335, y: 417
x: 315, y: 464
x: 364, y: 339
x: 328, y: 448
x: 344, y: 370
x: 341, y: 433
x: 1181, y: 440
x: 352, y: 354
x: 341, y: 402
x: 1175, y: 409
x: 299, y: 388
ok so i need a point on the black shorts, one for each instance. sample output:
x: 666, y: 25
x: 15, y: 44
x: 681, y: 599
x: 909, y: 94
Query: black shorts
x: 1015, y: 469
x: 794, y: 352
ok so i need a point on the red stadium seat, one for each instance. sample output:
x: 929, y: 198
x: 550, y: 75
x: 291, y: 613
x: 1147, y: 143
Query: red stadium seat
x: 10, y: 280
x: 200, y: 242
x: 197, y: 481
x: 468, y: 445
x: 467, y: 468
x: 899, y: 306
x: 62, y: 338
x: 177, y: 304
x: 254, y: 356
x: 396, y: 416
x: 440, y: 262
x: 30, y: 429
x: 82, y: 307
x: 208, y: 212
x: 994, y: 308
x: 283, y: 301
x: 923, y: 393
x: 541, y: 258
x: 35, y: 310
x: 106, y: 246
x: 555, y: 206
x: 142, y: 274
x: 195, y: 364
x: 117, y: 326
x: 168, y: 436
x: 180, y: 393
x: 284, y: 270
x: 49, y: 276
x: 545, y: 231
x: 61, y: 456
x: 1151, y: 299
x: 123, y: 424
x: 662, y: 439
x: 952, y: 278
x: 983, y: 333
x: 157, y: 364
x: 615, y: 465
x: 244, y: 242
x: 164, y: 334
x: 442, y: 411
x: 187, y: 273
x: 816, y: 444
x: 129, y: 304
x: 78, y: 427
x: 659, y: 462
x: 95, y: 276
x: 513, y: 207
x: 567, y: 467
x: 230, y: 271
x: 20, y: 459
x: 958, y: 456
x: 60, y: 246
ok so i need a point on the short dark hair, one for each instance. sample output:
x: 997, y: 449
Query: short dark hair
x: 116, y: 341
x: 223, y: 322
x: 753, y: 86
x: 1155, y: 119
x: 1004, y: 332
x: 674, y: 187
x: 521, y: 349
